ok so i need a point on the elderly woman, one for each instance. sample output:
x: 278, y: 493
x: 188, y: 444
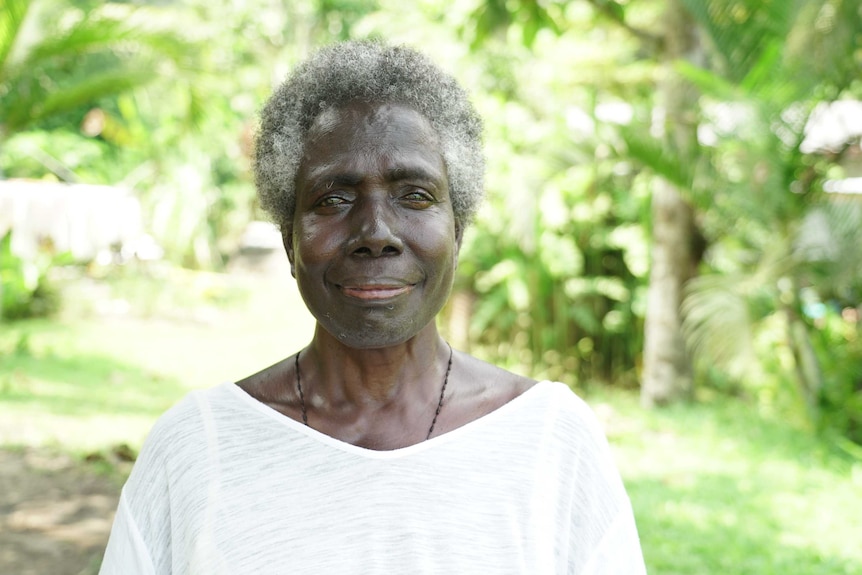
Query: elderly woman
x: 377, y: 448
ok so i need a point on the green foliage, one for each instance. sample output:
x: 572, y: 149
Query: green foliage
x: 528, y: 17
x: 556, y: 267
x: 777, y: 240
x: 745, y: 34
x: 662, y: 161
x: 757, y: 193
x: 768, y: 65
x: 25, y: 290
x: 51, y: 65
x: 838, y: 342
x: 31, y: 153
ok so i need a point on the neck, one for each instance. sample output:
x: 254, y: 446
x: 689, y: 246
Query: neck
x: 341, y: 377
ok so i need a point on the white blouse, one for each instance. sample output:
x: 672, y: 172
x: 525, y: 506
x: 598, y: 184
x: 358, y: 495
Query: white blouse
x: 225, y: 484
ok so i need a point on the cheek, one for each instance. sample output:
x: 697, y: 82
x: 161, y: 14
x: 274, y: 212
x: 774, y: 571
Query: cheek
x: 314, y: 244
x: 311, y: 263
x: 442, y: 251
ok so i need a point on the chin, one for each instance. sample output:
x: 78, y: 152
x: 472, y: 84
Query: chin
x: 373, y: 337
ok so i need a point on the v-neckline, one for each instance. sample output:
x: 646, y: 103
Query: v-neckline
x: 536, y: 390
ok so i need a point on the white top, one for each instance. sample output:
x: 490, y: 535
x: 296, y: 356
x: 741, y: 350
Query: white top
x: 225, y: 484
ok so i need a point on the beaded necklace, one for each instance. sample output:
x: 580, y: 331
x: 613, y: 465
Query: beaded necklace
x: 436, y: 412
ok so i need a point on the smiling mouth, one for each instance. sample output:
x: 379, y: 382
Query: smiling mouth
x: 375, y: 292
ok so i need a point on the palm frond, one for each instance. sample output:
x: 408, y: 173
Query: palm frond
x: 655, y: 156
x: 741, y: 31
x: 110, y: 50
x: 40, y: 104
x: 708, y: 82
x: 100, y: 33
x: 717, y: 324
x: 823, y: 45
x: 830, y: 245
x: 11, y: 18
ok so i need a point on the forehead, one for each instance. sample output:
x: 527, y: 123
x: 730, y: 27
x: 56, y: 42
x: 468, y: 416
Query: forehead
x: 359, y: 134
x: 382, y: 120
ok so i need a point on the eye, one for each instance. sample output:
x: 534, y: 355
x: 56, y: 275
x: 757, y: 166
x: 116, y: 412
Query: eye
x: 330, y: 203
x: 418, y: 198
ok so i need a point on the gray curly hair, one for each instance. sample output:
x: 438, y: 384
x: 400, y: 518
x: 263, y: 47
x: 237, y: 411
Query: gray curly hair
x: 376, y: 73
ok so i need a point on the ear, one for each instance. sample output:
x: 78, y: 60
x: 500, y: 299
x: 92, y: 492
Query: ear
x: 459, y: 236
x: 287, y: 240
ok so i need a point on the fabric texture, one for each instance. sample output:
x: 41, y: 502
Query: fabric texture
x: 227, y: 485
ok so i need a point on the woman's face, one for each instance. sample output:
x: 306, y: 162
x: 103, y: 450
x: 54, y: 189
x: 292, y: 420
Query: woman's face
x: 373, y: 245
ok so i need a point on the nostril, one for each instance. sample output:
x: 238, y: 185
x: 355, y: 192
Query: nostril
x: 367, y: 251
x: 373, y: 234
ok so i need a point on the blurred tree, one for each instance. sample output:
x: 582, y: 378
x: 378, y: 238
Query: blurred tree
x: 676, y: 241
x: 554, y: 274
x: 160, y: 97
x: 677, y: 245
x: 773, y: 56
x: 245, y: 49
x: 775, y: 66
x: 56, y: 57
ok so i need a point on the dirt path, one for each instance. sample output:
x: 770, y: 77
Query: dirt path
x: 55, y: 514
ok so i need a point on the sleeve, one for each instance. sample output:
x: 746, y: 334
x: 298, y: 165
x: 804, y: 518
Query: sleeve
x: 141, y: 540
x: 604, y: 538
x: 126, y: 554
x: 619, y: 551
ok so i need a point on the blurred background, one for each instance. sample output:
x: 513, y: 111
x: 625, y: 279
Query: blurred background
x: 673, y: 227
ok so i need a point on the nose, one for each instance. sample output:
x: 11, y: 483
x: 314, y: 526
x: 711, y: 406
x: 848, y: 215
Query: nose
x: 374, y: 230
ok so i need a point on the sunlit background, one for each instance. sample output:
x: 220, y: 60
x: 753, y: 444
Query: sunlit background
x: 673, y: 227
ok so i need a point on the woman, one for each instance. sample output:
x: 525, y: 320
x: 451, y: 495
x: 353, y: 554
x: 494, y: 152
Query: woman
x: 377, y: 448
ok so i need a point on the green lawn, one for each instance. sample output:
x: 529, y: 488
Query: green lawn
x: 128, y: 348
x: 717, y: 488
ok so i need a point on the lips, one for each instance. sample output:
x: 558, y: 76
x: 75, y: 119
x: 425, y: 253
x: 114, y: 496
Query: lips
x: 374, y: 290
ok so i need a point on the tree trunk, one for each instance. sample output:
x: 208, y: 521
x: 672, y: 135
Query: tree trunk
x: 667, y: 374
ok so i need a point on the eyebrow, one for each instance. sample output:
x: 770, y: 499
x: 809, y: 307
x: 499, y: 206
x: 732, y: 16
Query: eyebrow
x: 347, y: 180
x: 409, y: 173
x: 352, y: 179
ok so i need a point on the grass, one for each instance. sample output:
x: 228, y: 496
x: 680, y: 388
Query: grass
x: 128, y: 348
x: 717, y: 487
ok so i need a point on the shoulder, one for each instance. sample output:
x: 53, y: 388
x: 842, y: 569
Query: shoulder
x: 181, y: 439
x: 574, y: 416
x: 564, y: 415
x: 182, y: 430
x: 268, y: 385
x: 170, y: 432
x: 476, y: 388
x: 481, y: 388
x: 480, y: 377
x: 184, y: 413
x: 172, y: 466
